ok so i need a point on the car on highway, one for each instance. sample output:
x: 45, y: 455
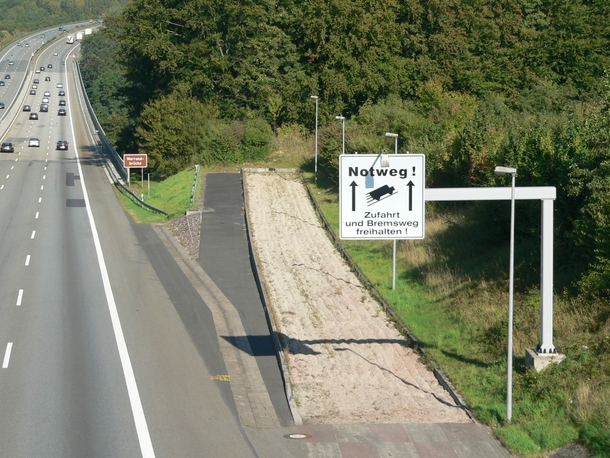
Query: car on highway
x: 44, y: 107
x: 33, y: 115
x: 34, y: 142
x: 7, y: 76
x: 27, y: 108
x: 34, y: 86
x: 59, y: 85
x: 46, y: 94
x: 62, y: 103
x: 47, y: 78
x: 45, y: 100
x: 27, y: 45
x: 49, y: 65
x: 42, y: 69
x: 1, y: 82
x: 32, y: 91
x: 7, y: 147
x: 37, y: 70
x: 1, y: 105
x: 54, y: 53
x: 61, y: 112
x: 62, y: 144
x: 10, y: 62
x: 62, y: 93
x: 36, y: 81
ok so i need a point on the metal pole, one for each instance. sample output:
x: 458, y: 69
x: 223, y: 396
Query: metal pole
x: 342, y: 119
x: 511, y: 285
x: 395, y: 137
x: 315, y: 173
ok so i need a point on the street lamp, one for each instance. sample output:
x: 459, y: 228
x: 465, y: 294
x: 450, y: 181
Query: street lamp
x: 499, y: 170
x: 395, y: 137
x: 342, y: 119
x: 315, y: 170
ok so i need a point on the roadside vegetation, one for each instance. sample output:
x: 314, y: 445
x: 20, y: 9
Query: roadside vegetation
x: 471, y: 85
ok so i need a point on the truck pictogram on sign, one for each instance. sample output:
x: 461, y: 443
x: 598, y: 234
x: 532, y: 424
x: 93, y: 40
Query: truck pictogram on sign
x: 394, y: 186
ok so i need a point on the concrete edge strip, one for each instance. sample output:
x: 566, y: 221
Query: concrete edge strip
x: 294, y: 410
x: 254, y: 405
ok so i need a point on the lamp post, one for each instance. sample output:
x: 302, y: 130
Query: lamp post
x: 342, y: 119
x: 395, y: 137
x: 499, y: 170
x: 315, y: 170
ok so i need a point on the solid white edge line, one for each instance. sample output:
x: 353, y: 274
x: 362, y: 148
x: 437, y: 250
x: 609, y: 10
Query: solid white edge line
x: 7, y: 355
x: 132, y: 388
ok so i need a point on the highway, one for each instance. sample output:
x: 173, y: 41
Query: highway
x: 96, y: 361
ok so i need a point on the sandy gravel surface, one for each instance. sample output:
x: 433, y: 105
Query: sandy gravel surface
x: 347, y: 363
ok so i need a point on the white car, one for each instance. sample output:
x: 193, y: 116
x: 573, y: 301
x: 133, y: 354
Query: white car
x: 59, y: 85
x: 47, y: 94
x: 45, y: 100
x: 34, y: 142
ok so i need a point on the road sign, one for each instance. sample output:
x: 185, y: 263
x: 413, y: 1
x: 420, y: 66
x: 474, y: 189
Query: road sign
x: 381, y: 196
x: 135, y: 161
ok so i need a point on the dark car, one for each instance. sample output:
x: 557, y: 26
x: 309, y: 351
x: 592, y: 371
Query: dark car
x: 44, y: 107
x: 33, y: 115
x: 49, y: 65
x: 1, y: 105
x: 32, y: 91
x: 62, y: 103
x: 62, y: 144
x: 27, y: 108
x: 7, y: 147
x: 42, y: 69
x: 62, y: 93
x: 36, y: 81
x: 61, y: 112
x: 47, y: 78
x: 1, y: 83
x: 7, y: 77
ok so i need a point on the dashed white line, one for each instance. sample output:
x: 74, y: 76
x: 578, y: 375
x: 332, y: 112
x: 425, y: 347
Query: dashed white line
x: 39, y: 199
x: 33, y: 234
x: 19, y: 297
x: 7, y: 355
x: 37, y: 214
x: 27, y: 260
x: 42, y: 187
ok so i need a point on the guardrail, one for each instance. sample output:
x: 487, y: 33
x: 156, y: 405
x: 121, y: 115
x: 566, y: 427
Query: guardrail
x: 118, y: 172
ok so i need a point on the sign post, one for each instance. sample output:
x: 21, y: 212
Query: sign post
x: 381, y: 196
x: 135, y: 161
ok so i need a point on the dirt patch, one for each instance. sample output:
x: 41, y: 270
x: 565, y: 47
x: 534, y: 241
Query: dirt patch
x: 347, y: 363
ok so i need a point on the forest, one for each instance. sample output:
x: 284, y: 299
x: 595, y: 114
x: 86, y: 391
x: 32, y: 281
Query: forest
x: 18, y: 17
x: 469, y: 83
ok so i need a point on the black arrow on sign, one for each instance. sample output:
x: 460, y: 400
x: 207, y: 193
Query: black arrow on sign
x: 410, y: 185
x: 353, y: 185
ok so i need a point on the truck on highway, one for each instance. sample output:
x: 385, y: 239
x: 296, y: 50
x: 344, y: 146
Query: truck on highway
x: 79, y: 36
x: 70, y: 39
x: 88, y: 31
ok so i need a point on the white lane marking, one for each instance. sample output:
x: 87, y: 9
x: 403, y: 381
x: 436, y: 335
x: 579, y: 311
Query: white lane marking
x: 19, y: 297
x: 27, y: 260
x: 137, y: 410
x: 7, y: 176
x: 39, y: 199
x: 42, y: 187
x: 33, y: 234
x: 44, y: 177
x: 37, y: 214
x: 7, y: 355
x: 12, y: 167
x: 2, y: 187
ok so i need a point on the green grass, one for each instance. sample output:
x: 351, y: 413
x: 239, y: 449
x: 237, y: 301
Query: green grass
x: 172, y: 195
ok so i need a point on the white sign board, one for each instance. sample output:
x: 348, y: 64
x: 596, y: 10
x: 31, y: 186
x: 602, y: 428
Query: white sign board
x: 381, y: 196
